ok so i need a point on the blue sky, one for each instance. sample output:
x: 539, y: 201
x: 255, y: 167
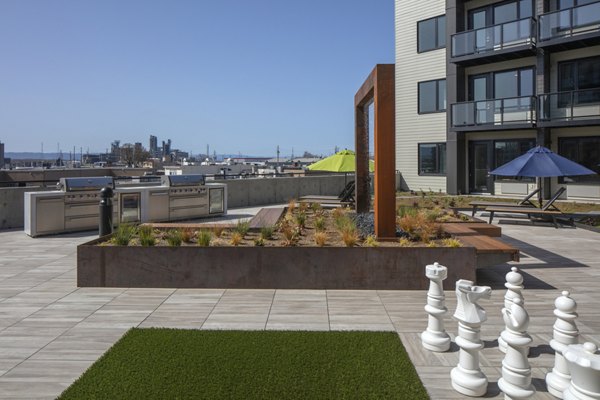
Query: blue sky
x: 242, y: 76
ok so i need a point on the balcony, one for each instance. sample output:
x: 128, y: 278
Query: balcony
x: 494, y: 114
x: 494, y: 43
x: 570, y: 28
x: 575, y: 108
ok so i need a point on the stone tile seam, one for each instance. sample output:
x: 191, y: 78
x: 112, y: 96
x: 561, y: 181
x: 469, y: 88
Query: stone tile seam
x: 270, y: 308
x: 213, y: 308
x: 156, y: 308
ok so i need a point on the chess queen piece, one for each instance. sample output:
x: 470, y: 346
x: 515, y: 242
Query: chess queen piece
x: 584, y: 364
x: 435, y: 338
x: 514, y: 286
x: 516, y: 371
x: 565, y: 333
x: 467, y: 377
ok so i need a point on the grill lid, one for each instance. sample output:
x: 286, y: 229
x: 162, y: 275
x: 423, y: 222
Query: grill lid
x: 86, y: 184
x: 183, y: 180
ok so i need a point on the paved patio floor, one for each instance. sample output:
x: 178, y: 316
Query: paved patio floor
x: 51, y: 331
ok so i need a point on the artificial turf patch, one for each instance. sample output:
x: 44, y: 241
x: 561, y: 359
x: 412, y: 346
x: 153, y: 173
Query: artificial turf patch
x: 193, y: 364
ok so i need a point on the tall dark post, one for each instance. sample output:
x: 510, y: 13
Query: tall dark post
x: 105, y: 225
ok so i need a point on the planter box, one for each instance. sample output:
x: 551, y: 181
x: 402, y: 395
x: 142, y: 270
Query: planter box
x: 268, y: 267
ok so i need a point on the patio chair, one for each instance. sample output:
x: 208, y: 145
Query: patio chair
x: 346, y: 196
x: 525, y: 202
x: 549, y: 210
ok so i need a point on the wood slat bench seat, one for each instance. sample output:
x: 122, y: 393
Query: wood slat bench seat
x: 471, y: 229
x: 266, y: 217
x: 530, y: 212
x: 482, y: 205
x: 486, y: 245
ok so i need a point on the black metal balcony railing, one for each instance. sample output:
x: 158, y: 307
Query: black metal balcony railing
x: 495, y: 112
x: 570, y: 106
x: 494, y: 38
x: 569, y: 22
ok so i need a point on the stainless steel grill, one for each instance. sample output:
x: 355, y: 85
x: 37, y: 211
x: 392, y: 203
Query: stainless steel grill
x: 183, y: 180
x: 188, y: 197
x: 86, y: 184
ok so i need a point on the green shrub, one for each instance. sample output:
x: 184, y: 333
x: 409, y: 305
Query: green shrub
x: 242, y: 227
x: 320, y: 224
x: 266, y: 232
x: 204, y: 238
x: 371, y: 241
x: 146, y: 233
x: 123, y: 234
x: 301, y: 218
x: 174, y: 237
x: 259, y: 241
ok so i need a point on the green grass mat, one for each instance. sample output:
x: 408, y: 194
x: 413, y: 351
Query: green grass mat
x: 193, y: 364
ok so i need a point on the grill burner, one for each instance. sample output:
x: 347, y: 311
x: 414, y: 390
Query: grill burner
x: 86, y: 184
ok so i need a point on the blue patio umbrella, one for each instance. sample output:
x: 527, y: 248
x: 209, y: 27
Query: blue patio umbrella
x: 541, y: 162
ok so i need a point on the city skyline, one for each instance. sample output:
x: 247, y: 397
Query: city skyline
x: 240, y: 77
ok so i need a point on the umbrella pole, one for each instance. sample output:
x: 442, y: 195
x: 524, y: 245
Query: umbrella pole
x: 539, y: 186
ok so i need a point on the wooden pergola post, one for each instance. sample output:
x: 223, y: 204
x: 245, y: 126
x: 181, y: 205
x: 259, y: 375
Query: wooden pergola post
x: 379, y: 89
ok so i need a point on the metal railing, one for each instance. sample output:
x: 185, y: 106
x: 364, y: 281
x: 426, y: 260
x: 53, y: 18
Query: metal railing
x: 494, y: 38
x: 495, y: 112
x: 570, y: 106
x: 569, y: 22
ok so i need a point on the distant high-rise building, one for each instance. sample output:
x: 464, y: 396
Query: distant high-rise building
x: 1, y: 155
x: 153, y: 146
x: 166, y: 147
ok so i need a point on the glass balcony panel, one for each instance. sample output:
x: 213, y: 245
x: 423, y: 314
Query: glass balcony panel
x: 514, y: 110
x: 570, y: 106
x: 493, y: 38
x: 570, y: 21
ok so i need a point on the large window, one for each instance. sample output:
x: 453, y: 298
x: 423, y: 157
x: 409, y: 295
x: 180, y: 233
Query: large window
x: 432, y: 96
x: 582, y: 150
x: 508, y: 150
x: 432, y: 158
x: 564, y: 4
x: 431, y: 34
x: 582, y: 76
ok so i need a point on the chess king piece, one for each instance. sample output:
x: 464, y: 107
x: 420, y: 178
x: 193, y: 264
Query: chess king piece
x: 565, y: 333
x: 584, y: 364
x: 435, y: 338
x: 514, y: 286
x: 516, y: 372
x: 467, y: 377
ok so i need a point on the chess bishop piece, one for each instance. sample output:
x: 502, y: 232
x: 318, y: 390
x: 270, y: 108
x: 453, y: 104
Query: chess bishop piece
x: 435, y: 338
x: 467, y: 377
x: 516, y: 371
x: 565, y: 333
x: 514, y: 286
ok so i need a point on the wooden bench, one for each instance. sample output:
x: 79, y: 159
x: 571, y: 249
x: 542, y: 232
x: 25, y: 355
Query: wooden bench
x: 486, y: 245
x: 266, y: 217
x: 530, y: 212
x: 471, y: 229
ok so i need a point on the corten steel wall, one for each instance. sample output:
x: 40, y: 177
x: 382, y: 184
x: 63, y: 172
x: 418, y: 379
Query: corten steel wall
x: 269, y: 267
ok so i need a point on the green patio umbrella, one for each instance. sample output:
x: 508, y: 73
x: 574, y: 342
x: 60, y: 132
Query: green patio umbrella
x: 342, y: 161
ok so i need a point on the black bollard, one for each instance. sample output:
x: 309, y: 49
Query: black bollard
x: 105, y: 225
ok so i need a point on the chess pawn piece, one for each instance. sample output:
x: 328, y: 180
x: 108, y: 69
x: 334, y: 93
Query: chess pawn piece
x: 467, y: 377
x: 584, y: 364
x: 435, y: 338
x: 516, y: 372
x: 514, y: 285
x: 565, y: 333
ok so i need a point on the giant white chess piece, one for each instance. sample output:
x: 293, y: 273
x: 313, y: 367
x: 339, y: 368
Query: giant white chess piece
x: 435, y: 338
x: 565, y: 333
x: 516, y: 372
x: 514, y: 286
x: 584, y: 364
x: 467, y: 377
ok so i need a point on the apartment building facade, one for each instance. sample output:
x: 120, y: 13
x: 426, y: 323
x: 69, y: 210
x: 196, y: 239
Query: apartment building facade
x: 480, y: 82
